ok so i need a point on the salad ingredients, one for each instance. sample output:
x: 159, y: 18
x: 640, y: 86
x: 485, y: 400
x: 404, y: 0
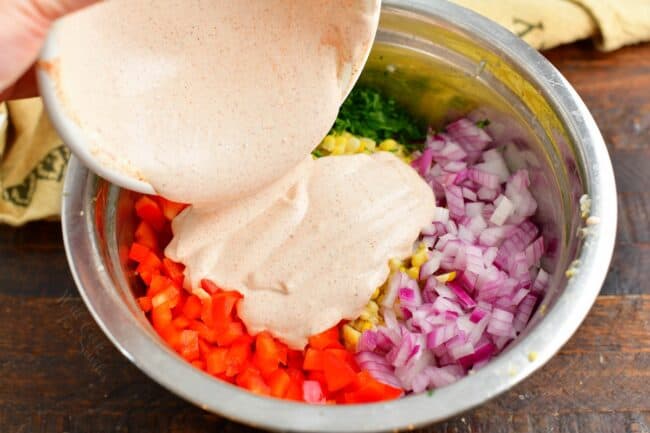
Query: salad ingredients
x: 476, y: 285
x: 311, y: 249
x: 369, y: 113
x: 188, y: 94
x: 207, y: 331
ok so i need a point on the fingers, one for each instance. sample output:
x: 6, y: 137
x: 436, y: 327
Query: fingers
x: 54, y: 9
x: 23, y: 26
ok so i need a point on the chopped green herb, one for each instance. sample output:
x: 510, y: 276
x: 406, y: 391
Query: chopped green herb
x: 368, y: 113
x: 317, y: 153
x: 483, y: 123
x: 430, y: 392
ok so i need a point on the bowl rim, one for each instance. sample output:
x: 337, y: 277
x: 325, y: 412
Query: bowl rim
x: 119, y: 324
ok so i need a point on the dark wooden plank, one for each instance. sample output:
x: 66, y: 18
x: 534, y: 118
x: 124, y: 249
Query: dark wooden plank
x: 59, y: 373
x: 32, y: 260
x: 616, y: 88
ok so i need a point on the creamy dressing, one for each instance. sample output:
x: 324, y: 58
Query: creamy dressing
x: 210, y: 100
x: 311, y: 249
x: 218, y: 103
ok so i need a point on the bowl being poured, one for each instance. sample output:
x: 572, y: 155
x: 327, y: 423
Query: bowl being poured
x: 181, y: 99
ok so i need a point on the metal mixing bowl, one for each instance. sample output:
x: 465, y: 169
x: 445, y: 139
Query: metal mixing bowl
x: 442, y: 61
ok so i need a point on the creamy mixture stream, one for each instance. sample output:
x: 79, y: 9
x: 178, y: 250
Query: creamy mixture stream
x: 219, y: 103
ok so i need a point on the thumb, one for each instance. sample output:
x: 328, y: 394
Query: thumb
x: 23, y: 26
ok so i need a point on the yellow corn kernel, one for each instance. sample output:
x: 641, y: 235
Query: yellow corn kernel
x: 328, y: 143
x: 373, y: 306
x: 446, y: 278
x: 368, y: 144
x: 419, y: 258
x: 376, y: 293
x: 351, y: 336
x: 365, y: 325
x: 388, y: 145
x: 339, y: 145
x: 413, y: 272
x: 395, y: 264
x: 365, y: 315
x: 353, y: 145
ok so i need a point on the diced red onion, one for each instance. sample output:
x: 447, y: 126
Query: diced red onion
x: 312, y: 392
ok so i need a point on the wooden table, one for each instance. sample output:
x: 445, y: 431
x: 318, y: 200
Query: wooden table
x: 58, y: 373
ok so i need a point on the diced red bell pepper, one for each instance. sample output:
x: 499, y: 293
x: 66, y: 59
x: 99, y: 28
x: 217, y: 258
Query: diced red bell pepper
x: 161, y: 316
x: 279, y: 382
x: 222, y: 306
x: 170, y: 208
x: 294, y: 392
x: 371, y: 390
x: 200, y: 364
x: 251, y: 379
x: 171, y: 335
x: 204, y: 347
x: 238, y: 355
x: 145, y: 303
x: 209, y: 286
x: 189, y: 342
x: 294, y: 359
x: 138, y: 252
x: 269, y: 353
x: 150, y: 264
x: 146, y: 236
x: 338, y: 373
x: 205, y: 332
x: 181, y: 322
x: 148, y: 210
x: 215, y: 361
x: 227, y: 333
x: 326, y: 339
x: 192, y: 307
x: 170, y: 295
x: 173, y: 270
x: 313, y: 359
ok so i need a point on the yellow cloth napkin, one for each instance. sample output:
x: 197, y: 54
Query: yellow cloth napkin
x: 547, y: 23
x: 32, y: 163
x: 33, y: 158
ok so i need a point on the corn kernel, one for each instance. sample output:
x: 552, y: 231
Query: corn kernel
x: 373, y: 306
x: 328, y: 143
x: 351, y: 336
x: 365, y: 326
x: 376, y: 293
x: 368, y: 144
x: 339, y: 145
x: 394, y: 264
x: 388, y: 145
x: 413, y: 272
x: 365, y: 315
x: 446, y: 278
x: 419, y: 258
x: 353, y: 145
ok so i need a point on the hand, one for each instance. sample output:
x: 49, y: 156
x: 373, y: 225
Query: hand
x: 23, y: 27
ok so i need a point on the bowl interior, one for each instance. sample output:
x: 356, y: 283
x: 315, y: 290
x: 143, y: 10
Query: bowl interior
x: 442, y: 62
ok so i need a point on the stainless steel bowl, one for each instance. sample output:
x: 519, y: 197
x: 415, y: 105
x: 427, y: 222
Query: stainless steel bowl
x: 442, y: 61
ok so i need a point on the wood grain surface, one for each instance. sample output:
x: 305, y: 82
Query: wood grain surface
x: 58, y: 373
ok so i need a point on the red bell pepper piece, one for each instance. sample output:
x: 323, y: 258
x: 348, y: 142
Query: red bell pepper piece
x: 326, y: 339
x: 148, y: 210
x: 146, y: 236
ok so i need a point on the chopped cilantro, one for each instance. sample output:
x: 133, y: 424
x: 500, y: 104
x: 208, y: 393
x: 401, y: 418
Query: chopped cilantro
x: 430, y: 392
x: 483, y: 123
x: 368, y: 113
x: 317, y: 153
